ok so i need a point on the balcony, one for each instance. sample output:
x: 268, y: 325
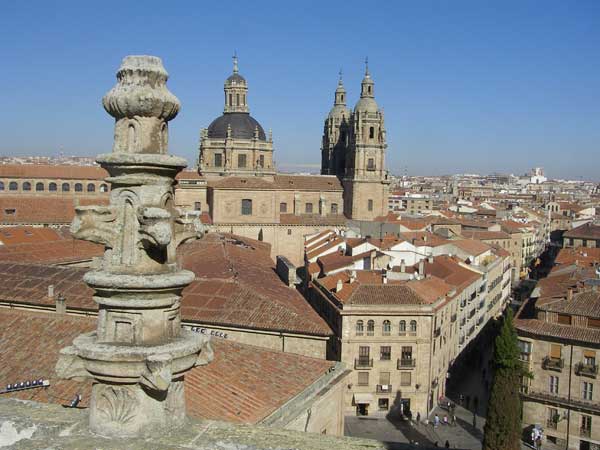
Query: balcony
x: 586, y: 370
x: 472, y: 313
x: 453, y: 318
x: 480, y: 321
x: 463, y: 322
x: 551, y: 424
x: 549, y: 363
x: 585, y: 432
x: 471, y: 330
x: 384, y: 388
x: 437, y: 332
x: 481, y: 305
x: 363, y: 363
x: 463, y: 304
x: 406, y: 363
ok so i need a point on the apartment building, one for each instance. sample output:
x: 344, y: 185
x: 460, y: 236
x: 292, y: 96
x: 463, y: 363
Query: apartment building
x: 559, y: 338
x: 401, y: 330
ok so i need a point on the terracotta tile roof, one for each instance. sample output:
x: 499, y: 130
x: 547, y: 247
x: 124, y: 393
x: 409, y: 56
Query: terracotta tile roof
x: 585, y: 303
x: 333, y: 242
x: 242, y: 384
x: 65, y: 172
x: 485, y: 235
x: 246, y: 183
x: 479, y: 224
x: 236, y: 285
x: 25, y: 209
x: 471, y: 246
x: 28, y: 284
x: 189, y: 175
x: 316, y: 240
x: 586, y: 336
x: 21, y: 235
x: 582, y: 256
x: 335, y: 261
x: 313, y: 219
x: 317, y: 183
x: 368, y: 289
x: 308, y: 182
x: 54, y: 252
x: 29, y: 346
x: 449, y: 270
x: 585, y: 231
x: 246, y: 384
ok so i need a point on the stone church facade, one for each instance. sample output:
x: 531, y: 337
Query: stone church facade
x: 237, y: 184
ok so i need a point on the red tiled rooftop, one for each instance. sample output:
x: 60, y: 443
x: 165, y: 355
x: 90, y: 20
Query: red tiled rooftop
x: 31, y: 209
x: 23, y: 235
x: 63, y: 172
x: 242, y: 384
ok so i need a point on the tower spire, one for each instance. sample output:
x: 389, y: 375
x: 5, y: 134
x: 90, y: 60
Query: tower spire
x: 340, y: 79
x: 235, y: 62
x: 367, y: 66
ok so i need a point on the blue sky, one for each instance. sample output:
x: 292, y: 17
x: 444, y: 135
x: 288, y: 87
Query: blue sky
x: 466, y: 86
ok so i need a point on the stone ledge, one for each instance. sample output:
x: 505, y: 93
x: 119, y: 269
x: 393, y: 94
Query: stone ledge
x: 26, y: 425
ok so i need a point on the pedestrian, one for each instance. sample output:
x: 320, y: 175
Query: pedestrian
x: 418, y: 418
x: 453, y: 419
x: 436, y: 421
x: 447, y: 445
x: 448, y: 405
x: 446, y: 419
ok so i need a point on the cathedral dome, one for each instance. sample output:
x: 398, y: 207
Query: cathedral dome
x: 242, y: 126
x: 235, y: 78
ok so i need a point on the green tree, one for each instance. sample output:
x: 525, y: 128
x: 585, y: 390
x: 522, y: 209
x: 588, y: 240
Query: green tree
x: 502, y: 429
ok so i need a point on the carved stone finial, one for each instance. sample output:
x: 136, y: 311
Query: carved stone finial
x: 139, y: 353
x: 141, y: 105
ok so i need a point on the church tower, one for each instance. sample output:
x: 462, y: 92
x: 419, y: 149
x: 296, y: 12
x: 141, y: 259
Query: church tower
x: 365, y: 180
x: 235, y: 143
x: 336, y: 135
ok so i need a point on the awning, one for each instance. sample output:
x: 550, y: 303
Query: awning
x: 363, y: 399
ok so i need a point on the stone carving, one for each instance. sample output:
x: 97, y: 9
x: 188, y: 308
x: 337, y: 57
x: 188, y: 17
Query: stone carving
x: 138, y: 354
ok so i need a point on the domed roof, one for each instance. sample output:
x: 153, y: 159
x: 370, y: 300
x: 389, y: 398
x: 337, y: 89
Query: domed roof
x: 366, y: 104
x: 340, y: 111
x: 242, y: 127
x: 235, y: 78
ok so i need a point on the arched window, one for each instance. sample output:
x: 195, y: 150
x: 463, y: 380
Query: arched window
x: 26, y: 186
x: 413, y: 327
x: 230, y: 100
x: 342, y: 98
x: 371, y: 132
x: 13, y: 186
x: 387, y: 327
x: 402, y: 327
x: 246, y: 207
x: 360, y: 328
x: 91, y: 187
x: 66, y: 187
x: 244, y: 99
x: 1, y: 185
x: 370, y: 328
x: 52, y: 187
x: 78, y: 187
x: 237, y: 99
x: 103, y: 188
x: 369, y: 89
x: 39, y: 187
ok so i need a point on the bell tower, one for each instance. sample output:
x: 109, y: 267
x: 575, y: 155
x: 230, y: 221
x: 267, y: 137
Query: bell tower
x: 365, y: 181
x: 336, y: 134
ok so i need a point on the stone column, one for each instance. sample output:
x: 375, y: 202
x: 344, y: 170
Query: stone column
x: 138, y: 355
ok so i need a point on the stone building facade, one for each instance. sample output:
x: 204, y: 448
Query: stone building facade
x: 559, y: 338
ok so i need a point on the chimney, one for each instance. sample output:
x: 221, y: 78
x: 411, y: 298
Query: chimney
x: 430, y: 259
x: 353, y: 276
x: 421, y: 267
x: 61, y: 304
x: 339, y: 286
x: 51, y: 291
x: 402, y: 266
x: 569, y: 294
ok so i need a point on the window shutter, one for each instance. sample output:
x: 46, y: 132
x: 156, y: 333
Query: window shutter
x: 589, y: 354
x: 555, y: 351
